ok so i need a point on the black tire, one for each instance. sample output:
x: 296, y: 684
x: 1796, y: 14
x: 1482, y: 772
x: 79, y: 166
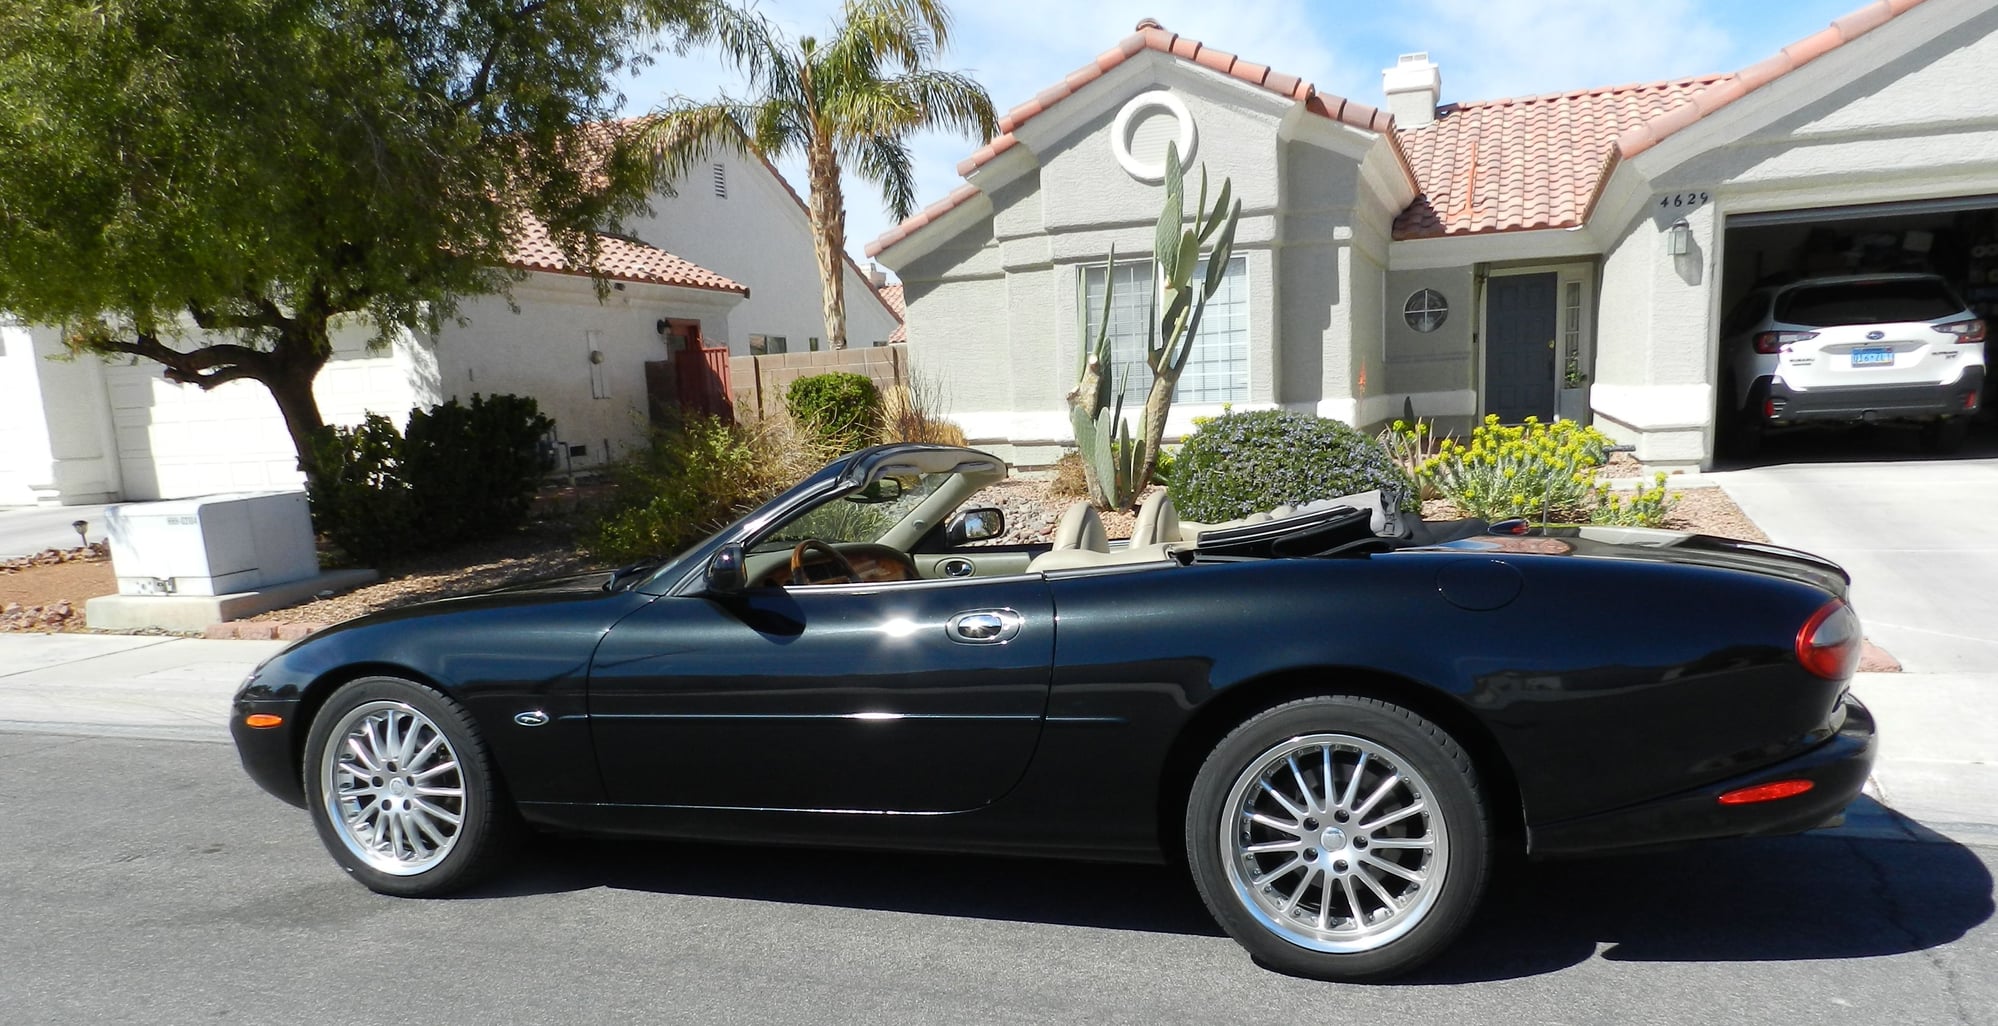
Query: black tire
x: 1945, y: 436
x: 459, y: 854
x: 1409, y: 924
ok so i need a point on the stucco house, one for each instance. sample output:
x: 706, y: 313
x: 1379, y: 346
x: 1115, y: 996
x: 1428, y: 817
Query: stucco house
x: 722, y: 266
x: 1568, y: 254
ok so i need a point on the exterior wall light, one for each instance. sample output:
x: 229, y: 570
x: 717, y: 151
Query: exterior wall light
x: 1679, y: 238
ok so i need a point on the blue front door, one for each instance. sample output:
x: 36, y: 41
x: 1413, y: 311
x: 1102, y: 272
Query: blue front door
x: 1520, y: 342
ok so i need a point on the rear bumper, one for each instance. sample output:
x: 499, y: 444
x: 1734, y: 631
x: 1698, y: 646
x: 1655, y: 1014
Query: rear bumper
x: 1837, y: 769
x: 1875, y: 402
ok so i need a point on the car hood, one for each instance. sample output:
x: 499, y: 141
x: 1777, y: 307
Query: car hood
x: 1651, y: 545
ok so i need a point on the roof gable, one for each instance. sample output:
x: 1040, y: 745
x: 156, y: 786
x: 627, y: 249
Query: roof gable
x: 1150, y: 36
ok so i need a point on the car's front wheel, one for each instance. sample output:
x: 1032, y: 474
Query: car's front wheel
x: 402, y: 789
x: 1339, y: 837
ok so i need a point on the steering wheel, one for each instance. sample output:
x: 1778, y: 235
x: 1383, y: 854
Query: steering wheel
x: 846, y: 572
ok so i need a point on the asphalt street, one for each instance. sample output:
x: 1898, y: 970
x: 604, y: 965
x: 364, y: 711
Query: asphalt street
x: 150, y: 882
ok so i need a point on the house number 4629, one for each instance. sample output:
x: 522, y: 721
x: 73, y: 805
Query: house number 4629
x: 1683, y: 200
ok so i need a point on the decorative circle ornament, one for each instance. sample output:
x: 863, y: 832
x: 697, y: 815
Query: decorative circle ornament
x: 1426, y: 310
x: 1132, y: 116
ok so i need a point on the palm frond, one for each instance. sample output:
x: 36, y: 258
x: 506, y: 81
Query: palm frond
x: 885, y: 161
x: 946, y: 100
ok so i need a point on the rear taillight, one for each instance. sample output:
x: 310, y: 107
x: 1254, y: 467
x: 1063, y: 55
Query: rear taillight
x: 1828, y: 644
x: 1966, y: 332
x: 1765, y: 792
x: 1769, y: 342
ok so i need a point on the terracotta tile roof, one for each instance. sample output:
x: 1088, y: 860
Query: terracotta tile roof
x: 1534, y: 162
x: 1541, y: 161
x: 619, y: 259
x: 891, y: 297
x: 1149, y: 36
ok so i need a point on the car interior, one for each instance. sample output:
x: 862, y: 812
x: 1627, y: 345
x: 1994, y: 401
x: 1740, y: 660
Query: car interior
x: 921, y: 520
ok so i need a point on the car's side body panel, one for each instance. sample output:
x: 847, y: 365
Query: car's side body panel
x: 500, y: 655
x: 849, y: 697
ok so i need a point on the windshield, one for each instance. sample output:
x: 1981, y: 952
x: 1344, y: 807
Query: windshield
x: 855, y: 518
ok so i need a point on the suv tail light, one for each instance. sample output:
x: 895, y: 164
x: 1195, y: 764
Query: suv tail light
x: 1966, y: 332
x: 1828, y: 645
x: 1769, y: 342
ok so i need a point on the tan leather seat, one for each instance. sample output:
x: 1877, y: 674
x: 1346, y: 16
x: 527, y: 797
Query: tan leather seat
x: 1157, y: 521
x: 1081, y: 528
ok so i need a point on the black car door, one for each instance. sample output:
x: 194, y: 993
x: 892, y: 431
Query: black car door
x: 911, y: 697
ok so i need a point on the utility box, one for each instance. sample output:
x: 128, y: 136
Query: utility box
x: 212, y: 544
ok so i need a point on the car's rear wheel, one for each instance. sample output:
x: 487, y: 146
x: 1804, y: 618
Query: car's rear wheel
x: 1339, y: 837
x: 402, y: 790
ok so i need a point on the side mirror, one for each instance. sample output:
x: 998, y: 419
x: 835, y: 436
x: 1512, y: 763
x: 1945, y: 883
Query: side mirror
x: 726, y: 575
x: 975, y: 525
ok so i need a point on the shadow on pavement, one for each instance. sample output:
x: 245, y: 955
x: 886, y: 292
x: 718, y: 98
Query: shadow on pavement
x: 1819, y: 896
x: 1881, y: 443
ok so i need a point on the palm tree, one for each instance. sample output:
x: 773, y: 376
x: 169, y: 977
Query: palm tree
x: 850, y: 101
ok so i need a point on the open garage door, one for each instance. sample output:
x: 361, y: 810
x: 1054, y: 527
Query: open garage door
x: 1955, y: 238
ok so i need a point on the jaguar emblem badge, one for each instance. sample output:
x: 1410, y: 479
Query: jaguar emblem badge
x: 531, y: 718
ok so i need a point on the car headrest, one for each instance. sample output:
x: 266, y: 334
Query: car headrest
x: 1158, y: 521
x: 1081, y: 528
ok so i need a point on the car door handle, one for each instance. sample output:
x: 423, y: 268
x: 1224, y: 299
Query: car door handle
x: 984, y: 627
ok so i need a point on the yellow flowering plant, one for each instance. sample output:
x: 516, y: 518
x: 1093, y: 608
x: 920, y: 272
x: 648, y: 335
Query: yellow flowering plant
x: 1533, y: 469
x: 1648, y: 506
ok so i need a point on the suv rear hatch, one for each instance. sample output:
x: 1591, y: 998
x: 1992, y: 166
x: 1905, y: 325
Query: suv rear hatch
x: 1869, y: 334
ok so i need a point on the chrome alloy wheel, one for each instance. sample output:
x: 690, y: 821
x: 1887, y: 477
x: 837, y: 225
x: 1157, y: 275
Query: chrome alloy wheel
x: 393, y: 790
x: 1333, y: 843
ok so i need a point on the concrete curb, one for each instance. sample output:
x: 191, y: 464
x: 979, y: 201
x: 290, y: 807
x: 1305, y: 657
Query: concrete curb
x: 242, y: 630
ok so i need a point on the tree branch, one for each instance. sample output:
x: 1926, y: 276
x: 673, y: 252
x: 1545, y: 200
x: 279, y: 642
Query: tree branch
x: 482, y: 82
x: 207, y: 367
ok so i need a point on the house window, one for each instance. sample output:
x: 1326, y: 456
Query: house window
x: 1571, y: 335
x: 1218, y: 369
x: 1426, y: 310
x: 766, y: 345
x: 721, y: 181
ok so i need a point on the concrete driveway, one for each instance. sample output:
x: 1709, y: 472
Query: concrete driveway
x: 1919, y: 534
x: 26, y: 530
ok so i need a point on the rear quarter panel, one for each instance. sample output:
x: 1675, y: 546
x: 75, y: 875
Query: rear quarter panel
x: 1603, y: 683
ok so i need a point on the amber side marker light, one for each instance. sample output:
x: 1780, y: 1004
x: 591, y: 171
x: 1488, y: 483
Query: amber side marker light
x: 262, y: 721
x: 1766, y: 792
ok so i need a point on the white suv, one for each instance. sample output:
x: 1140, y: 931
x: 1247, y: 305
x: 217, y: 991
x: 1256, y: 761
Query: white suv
x: 1858, y: 349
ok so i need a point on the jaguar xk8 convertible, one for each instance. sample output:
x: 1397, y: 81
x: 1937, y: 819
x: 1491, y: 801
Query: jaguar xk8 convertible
x: 1334, y: 720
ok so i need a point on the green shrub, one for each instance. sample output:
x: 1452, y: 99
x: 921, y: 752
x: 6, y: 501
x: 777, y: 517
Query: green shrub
x: 695, y: 476
x: 1523, y: 470
x: 361, y: 501
x: 459, y: 473
x: 1241, y: 463
x: 473, y: 469
x: 842, y: 409
x: 1646, y: 507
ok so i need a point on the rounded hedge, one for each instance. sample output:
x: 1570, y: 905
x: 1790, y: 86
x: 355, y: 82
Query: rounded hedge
x: 1242, y: 463
x: 840, y: 408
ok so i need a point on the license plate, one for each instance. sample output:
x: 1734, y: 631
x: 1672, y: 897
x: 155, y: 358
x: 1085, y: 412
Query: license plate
x: 1872, y: 357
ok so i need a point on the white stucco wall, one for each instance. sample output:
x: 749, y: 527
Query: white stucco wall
x: 542, y: 348
x: 176, y: 440
x: 760, y: 236
x: 25, y: 462
x: 992, y: 298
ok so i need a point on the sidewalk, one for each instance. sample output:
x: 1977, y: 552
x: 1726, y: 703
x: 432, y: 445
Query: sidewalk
x: 1938, y: 760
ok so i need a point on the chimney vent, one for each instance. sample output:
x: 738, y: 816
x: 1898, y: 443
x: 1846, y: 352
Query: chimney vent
x: 1413, y: 87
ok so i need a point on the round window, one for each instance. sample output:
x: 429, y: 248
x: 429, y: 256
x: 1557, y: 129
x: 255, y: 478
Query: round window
x: 1426, y: 310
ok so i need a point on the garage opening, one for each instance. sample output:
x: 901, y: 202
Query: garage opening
x: 1954, y: 238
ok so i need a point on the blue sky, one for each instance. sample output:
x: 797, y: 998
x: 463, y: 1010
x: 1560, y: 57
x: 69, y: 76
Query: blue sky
x: 1486, y: 48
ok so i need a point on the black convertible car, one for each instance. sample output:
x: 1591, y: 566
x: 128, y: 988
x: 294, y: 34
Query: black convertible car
x: 1337, y: 721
